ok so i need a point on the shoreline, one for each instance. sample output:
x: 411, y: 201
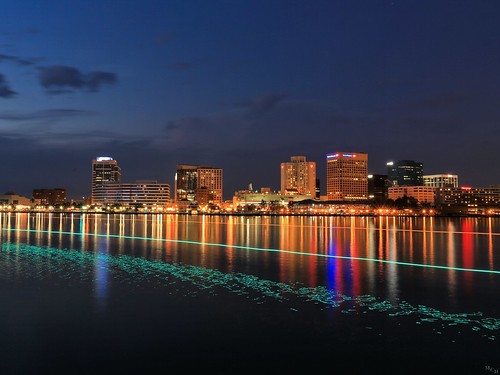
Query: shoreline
x: 241, y: 214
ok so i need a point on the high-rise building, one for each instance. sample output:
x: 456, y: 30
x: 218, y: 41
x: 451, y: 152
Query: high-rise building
x: 405, y: 173
x: 441, y: 180
x: 198, y: 183
x: 298, y: 176
x: 104, y: 169
x: 347, y: 176
x: 186, y: 182
x: 377, y: 187
x: 210, y: 179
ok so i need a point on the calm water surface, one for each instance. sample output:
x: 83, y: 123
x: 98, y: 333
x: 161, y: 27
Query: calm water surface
x: 226, y: 294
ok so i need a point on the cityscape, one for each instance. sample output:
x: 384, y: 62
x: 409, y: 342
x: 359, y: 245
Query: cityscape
x: 249, y: 187
x: 350, y: 190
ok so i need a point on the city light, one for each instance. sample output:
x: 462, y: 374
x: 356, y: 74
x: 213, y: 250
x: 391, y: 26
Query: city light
x: 350, y: 190
x: 261, y: 249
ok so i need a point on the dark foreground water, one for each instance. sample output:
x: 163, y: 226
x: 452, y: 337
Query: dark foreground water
x: 219, y: 294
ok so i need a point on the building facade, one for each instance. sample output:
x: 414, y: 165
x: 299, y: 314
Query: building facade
x: 186, y: 182
x: 298, y: 176
x: 146, y: 193
x: 104, y: 169
x: 49, y: 196
x: 347, y: 176
x: 468, y: 196
x: 318, y: 189
x: 377, y: 187
x: 405, y: 173
x: 420, y: 193
x: 246, y: 197
x: 441, y: 180
x: 14, y: 200
x: 211, y: 179
x: 199, y: 184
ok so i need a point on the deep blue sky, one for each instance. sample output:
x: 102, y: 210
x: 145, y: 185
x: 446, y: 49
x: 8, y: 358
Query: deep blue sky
x: 244, y: 85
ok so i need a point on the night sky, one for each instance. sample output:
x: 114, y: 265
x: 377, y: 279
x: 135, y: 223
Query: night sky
x: 244, y: 85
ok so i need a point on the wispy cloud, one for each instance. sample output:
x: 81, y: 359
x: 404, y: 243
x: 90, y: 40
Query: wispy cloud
x: 32, y: 30
x: 262, y: 123
x: 17, y: 60
x: 58, y: 79
x: 64, y: 140
x: 5, y: 90
x: 43, y: 115
x: 180, y: 66
x: 95, y: 80
x: 261, y: 105
x: 441, y: 100
x: 165, y: 38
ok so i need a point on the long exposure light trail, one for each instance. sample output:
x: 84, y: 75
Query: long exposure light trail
x: 399, y: 230
x: 180, y: 278
x: 240, y: 247
x: 358, y: 228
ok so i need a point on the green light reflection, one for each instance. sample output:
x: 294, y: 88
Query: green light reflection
x: 189, y: 281
x: 211, y: 244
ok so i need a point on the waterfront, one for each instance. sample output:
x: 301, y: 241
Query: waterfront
x: 97, y: 293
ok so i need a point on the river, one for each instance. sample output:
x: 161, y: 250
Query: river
x: 146, y: 293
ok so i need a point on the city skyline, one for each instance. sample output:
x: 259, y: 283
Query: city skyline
x: 244, y: 86
x: 107, y: 170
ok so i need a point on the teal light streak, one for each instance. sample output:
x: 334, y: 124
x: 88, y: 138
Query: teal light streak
x: 349, y: 227
x: 28, y: 261
x: 212, y: 244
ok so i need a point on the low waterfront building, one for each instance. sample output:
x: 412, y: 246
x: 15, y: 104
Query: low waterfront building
x: 51, y: 197
x: 314, y: 207
x: 441, y: 180
x: 248, y: 197
x: 147, y: 193
x: 468, y: 200
x: 420, y: 193
x: 14, y: 201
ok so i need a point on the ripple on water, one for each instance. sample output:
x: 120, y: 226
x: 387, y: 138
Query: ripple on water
x: 44, y: 262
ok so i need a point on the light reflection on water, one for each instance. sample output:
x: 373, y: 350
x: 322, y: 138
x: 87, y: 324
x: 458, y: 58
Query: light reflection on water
x: 456, y: 243
x: 134, y: 271
x: 355, y: 258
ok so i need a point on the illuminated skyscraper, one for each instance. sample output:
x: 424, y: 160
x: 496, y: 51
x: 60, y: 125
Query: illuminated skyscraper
x: 347, y: 176
x: 298, y: 176
x: 104, y: 169
x: 197, y: 183
x: 186, y: 181
x: 405, y: 173
x: 209, y: 184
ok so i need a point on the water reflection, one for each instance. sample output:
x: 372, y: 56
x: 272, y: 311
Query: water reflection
x: 450, y: 249
x: 350, y: 255
x: 101, y: 272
